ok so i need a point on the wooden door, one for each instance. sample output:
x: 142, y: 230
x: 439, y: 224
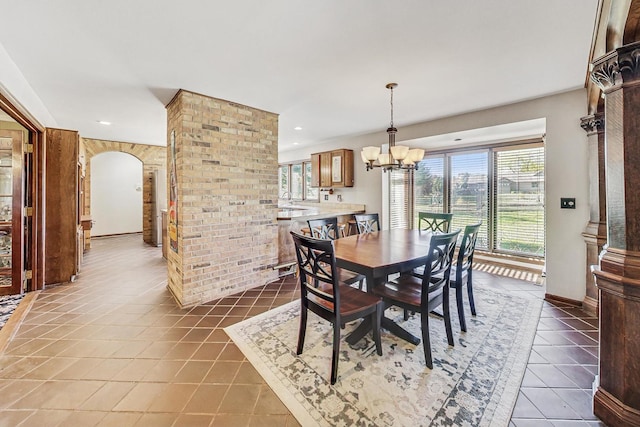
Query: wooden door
x: 12, y: 250
x: 61, y: 206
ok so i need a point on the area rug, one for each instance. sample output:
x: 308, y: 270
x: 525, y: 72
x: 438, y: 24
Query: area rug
x: 474, y: 383
x: 8, y: 304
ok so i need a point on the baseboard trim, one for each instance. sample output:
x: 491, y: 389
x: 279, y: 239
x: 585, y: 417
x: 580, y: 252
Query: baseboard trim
x: 590, y: 305
x: 562, y: 300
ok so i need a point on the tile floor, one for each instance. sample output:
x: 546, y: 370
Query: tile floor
x: 112, y: 349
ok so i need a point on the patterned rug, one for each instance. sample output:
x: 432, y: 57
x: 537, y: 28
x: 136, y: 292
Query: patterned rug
x: 474, y: 383
x: 8, y: 304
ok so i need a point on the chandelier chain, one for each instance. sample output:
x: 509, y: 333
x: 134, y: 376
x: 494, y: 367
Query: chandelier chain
x: 391, y: 123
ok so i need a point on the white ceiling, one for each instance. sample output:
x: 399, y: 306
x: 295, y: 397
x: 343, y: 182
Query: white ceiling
x: 321, y: 65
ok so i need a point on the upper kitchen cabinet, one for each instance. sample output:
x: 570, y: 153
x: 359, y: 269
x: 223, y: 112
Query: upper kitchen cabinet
x: 332, y: 169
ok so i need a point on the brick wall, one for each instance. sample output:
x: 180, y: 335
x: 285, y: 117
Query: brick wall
x: 153, y: 157
x: 227, y: 172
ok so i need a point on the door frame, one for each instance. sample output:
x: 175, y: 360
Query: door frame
x: 34, y: 259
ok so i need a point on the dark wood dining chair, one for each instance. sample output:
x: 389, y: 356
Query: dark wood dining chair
x: 461, y: 273
x: 436, y: 222
x: 422, y: 295
x: 327, y: 229
x: 322, y: 293
x: 367, y: 223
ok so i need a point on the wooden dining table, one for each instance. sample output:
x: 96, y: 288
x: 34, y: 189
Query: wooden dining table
x: 377, y: 255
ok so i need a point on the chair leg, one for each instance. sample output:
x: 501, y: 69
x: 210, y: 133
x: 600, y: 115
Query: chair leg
x: 426, y: 341
x: 361, y: 284
x: 377, y: 319
x: 336, y: 353
x: 470, y: 293
x: 303, y: 328
x: 406, y: 314
x: 459, y: 303
x: 447, y: 316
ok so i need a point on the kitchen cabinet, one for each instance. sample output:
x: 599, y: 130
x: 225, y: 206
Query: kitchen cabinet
x: 332, y: 169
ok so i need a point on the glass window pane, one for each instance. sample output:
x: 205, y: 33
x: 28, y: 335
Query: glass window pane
x: 469, y: 188
x: 429, y: 187
x: 519, y: 189
x: 296, y: 181
x: 283, y: 182
x: 311, y: 192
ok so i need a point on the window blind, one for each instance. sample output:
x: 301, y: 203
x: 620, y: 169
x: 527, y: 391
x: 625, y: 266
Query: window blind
x: 429, y: 187
x: 468, y: 201
x: 399, y: 199
x: 519, y: 221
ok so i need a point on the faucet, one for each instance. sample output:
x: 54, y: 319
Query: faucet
x: 286, y: 195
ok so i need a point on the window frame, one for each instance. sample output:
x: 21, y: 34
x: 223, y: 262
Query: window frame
x: 491, y: 150
x: 306, y: 182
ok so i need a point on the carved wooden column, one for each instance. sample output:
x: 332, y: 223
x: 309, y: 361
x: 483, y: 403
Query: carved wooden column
x: 595, y: 233
x: 617, y: 399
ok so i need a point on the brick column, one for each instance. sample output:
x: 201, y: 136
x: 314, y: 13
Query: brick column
x: 227, y: 173
x: 595, y: 233
x: 617, y: 399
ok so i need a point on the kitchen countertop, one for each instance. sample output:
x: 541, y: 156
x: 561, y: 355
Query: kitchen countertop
x: 300, y: 212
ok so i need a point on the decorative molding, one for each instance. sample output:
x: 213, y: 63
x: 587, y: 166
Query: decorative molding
x: 621, y: 66
x: 593, y: 123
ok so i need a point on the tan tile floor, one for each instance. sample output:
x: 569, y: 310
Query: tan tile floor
x: 112, y: 349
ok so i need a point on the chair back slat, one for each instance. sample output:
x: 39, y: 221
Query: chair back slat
x: 317, y: 265
x: 367, y: 223
x: 468, y: 246
x: 436, y: 222
x: 438, y: 263
x: 325, y: 228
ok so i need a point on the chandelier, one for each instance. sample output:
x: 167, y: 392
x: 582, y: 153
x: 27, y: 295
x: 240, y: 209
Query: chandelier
x: 398, y: 157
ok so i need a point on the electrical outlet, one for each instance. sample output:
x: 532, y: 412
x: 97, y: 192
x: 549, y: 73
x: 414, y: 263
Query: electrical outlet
x: 567, y: 203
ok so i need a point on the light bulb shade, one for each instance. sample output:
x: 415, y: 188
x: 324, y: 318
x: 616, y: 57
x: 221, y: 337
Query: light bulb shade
x: 415, y: 155
x: 364, y: 159
x: 408, y: 162
x: 399, y: 152
x: 370, y: 153
x: 384, y: 159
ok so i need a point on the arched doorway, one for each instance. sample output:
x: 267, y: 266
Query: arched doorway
x: 116, y: 194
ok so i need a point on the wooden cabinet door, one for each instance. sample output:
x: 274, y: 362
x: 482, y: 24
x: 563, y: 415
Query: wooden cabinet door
x: 325, y: 169
x: 315, y: 170
x: 342, y: 168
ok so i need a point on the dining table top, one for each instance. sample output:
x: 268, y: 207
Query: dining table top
x: 377, y: 255
x: 382, y: 250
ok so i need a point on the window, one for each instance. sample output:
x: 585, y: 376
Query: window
x: 429, y: 187
x: 283, y: 182
x: 519, y: 196
x: 311, y: 192
x: 469, y: 193
x: 509, y: 201
x: 294, y: 182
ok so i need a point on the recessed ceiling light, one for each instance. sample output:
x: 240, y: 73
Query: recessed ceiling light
x: 296, y: 143
x: 104, y: 122
x: 297, y: 128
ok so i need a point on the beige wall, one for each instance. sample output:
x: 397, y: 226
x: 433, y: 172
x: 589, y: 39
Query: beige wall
x: 566, y: 175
